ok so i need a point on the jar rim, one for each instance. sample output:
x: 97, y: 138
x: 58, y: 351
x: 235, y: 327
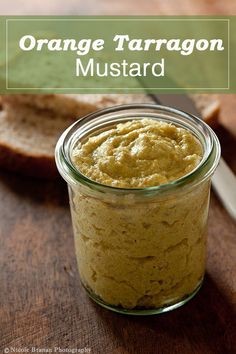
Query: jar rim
x: 72, y: 175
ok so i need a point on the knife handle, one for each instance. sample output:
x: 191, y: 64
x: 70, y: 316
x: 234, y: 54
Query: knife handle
x: 224, y: 184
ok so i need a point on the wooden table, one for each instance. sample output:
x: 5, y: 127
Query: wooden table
x: 42, y: 303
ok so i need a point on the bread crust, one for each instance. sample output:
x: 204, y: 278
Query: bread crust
x: 209, y: 107
x: 29, y: 165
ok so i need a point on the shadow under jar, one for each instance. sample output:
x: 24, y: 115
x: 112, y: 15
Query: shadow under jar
x: 140, y: 250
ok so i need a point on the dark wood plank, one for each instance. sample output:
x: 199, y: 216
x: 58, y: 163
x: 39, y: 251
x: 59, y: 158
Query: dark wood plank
x: 43, y: 304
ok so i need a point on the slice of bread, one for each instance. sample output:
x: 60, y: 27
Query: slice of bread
x: 63, y: 105
x: 31, y: 124
x: 74, y: 105
x: 27, y: 140
x: 78, y: 105
x: 208, y: 106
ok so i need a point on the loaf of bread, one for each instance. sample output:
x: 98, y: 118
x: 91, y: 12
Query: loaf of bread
x: 31, y: 125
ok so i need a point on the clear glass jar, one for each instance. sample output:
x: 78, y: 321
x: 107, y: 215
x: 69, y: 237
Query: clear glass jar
x: 140, y: 251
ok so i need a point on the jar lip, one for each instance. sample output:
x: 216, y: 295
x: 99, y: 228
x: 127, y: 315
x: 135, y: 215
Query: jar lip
x: 65, y: 165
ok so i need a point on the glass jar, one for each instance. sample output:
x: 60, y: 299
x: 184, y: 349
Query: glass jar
x: 140, y: 251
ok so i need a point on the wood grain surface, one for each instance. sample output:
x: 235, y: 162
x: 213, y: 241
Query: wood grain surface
x: 42, y: 303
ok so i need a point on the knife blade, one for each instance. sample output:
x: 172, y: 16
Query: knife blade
x: 224, y: 180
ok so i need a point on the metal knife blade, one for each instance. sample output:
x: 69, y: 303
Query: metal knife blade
x: 224, y: 180
x: 179, y: 101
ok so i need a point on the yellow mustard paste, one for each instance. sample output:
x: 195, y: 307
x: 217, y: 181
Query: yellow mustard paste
x: 138, y: 154
x: 133, y: 250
